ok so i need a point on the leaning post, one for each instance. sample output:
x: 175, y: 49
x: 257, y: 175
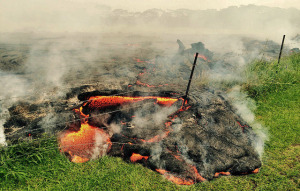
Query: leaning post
x: 190, y: 80
x: 280, y: 52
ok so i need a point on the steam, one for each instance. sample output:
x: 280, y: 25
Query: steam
x: 101, y: 145
x: 245, y: 107
x: 2, y: 135
x: 145, y: 118
x: 13, y: 88
x: 156, y: 151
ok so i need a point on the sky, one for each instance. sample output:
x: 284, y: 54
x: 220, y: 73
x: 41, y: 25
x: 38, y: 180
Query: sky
x: 83, y: 15
x: 141, y: 5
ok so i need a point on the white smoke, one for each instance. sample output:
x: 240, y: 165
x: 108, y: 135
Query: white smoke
x: 144, y: 119
x: 101, y: 145
x: 114, y: 128
x: 2, y: 135
x: 245, y: 107
x: 13, y: 88
x: 156, y: 151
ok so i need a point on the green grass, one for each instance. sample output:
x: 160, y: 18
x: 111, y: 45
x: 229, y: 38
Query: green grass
x: 38, y: 165
x: 266, y: 78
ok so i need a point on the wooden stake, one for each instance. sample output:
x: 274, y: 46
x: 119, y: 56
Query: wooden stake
x: 280, y: 52
x: 191, y: 76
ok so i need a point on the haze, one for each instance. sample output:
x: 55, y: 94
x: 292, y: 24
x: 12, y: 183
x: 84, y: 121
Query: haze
x: 142, y: 5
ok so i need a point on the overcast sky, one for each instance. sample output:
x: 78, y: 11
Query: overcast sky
x: 141, y: 5
x: 83, y: 15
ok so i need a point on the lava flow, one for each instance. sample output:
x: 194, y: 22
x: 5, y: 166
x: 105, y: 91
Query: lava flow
x: 186, y: 144
x: 86, y: 143
x: 100, y: 102
x: 90, y: 141
x: 136, y: 157
x: 80, y: 145
x: 175, y: 179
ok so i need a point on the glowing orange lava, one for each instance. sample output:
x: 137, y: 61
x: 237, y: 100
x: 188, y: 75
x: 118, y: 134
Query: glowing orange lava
x: 156, y: 138
x: 175, y: 179
x: 78, y: 159
x: 221, y: 173
x: 136, y: 157
x: 80, y: 145
x: 198, y: 176
x: 107, y: 101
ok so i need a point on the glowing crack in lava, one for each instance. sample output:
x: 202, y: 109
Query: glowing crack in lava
x: 100, y: 102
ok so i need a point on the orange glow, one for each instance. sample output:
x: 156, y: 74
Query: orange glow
x: 225, y: 173
x: 175, y: 179
x: 201, y: 56
x: 78, y: 159
x: 254, y: 172
x: 107, y: 101
x: 161, y: 171
x: 178, y: 180
x: 182, y: 181
x: 139, y: 60
x: 156, y: 138
x: 168, y: 124
x: 198, y: 176
x: 178, y: 157
x: 183, y: 108
x: 166, y: 101
x: 135, y: 157
x: 80, y: 144
x: 83, y: 117
x: 221, y: 173
x: 241, y: 125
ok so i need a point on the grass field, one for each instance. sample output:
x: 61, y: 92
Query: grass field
x: 38, y: 165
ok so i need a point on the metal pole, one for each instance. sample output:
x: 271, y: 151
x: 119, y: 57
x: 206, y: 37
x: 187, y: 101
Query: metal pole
x: 191, y: 76
x: 280, y: 51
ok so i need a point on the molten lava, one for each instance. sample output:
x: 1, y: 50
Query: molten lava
x: 80, y: 145
x: 175, y: 179
x: 101, y: 102
x: 136, y: 157
x: 217, y: 174
x: 90, y: 140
